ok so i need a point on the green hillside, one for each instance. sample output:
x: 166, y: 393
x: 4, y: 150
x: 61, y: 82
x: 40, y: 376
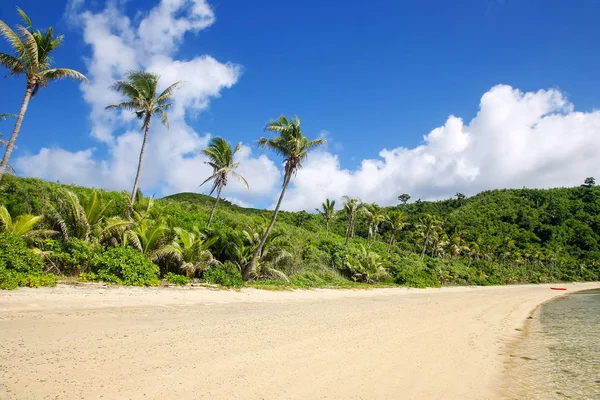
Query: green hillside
x: 495, y: 237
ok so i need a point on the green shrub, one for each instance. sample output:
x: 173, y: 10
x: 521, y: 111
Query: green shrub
x: 19, y: 266
x: 16, y: 256
x: 127, y: 266
x: 177, y: 279
x: 226, y: 274
x: 74, y: 256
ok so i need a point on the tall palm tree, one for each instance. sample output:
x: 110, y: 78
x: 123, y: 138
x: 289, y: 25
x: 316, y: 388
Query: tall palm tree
x: 220, y: 158
x: 374, y: 219
x: 293, y: 146
x: 351, y: 208
x: 397, y: 221
x: 32, y: 57
x: 429, y: 226
x: 140, y: 89
x: 328, y: 212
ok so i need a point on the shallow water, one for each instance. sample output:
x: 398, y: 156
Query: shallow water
x: 559, y: 357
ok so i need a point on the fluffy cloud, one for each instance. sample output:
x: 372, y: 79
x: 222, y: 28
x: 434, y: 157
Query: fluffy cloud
x: 516, y: 139
x: 173, y: 161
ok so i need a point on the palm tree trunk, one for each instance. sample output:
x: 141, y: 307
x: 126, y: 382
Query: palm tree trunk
x: 424, y: 247
x: 212, y: 212
x: 326, y: 228
x: 391, y: 240
x: 139, y: 168
x: 13, y: 138
x: 348, y: 231
x: 251, y: 266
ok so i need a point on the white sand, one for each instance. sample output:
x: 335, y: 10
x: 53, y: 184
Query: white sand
x: 90, y: 342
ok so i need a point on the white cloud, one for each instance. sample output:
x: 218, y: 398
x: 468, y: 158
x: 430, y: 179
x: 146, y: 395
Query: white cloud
x: 172, y: 162
x: 533, y: 139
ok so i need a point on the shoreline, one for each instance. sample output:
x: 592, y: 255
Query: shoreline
x: 87, y: 341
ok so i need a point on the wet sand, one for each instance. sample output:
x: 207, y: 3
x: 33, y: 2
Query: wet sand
x: 90, y: 342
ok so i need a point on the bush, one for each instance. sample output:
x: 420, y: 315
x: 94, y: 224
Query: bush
x: 16, y: 256
x: 19, y: 266
x: 127, y: 266
x: 411, y: 271
x: 226, y: 274
x: 74, y: 256
x: 177, y: 279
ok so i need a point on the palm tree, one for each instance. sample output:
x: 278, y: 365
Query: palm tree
x: 220, y: 158
x: 21, y: 225
x: 397, y: 221
x: 191, y: 249
x: 429, y: 227
x: 328, y: 212
x: 293, y: 146
x: 140, y: 89
x: 351, y: 208
x: 32, y: 57
x: 374, y: 218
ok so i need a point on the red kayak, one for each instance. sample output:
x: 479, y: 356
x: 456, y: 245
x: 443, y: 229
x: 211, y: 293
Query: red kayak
x: 558, y: 288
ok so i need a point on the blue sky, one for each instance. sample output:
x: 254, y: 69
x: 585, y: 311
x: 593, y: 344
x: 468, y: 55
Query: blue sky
x: 373, y: 75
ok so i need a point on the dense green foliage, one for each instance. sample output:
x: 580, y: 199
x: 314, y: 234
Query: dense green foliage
x: 125, y: 265
x: 496, y: 237
x: 19, y: 266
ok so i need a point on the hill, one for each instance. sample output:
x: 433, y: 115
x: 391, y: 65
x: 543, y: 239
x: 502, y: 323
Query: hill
x: 495, y: 237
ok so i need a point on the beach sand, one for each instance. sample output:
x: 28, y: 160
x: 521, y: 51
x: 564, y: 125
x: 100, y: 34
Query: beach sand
x: 91, y: 342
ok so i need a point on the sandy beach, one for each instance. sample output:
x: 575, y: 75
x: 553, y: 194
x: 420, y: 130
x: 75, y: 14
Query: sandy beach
x: 91, y: 342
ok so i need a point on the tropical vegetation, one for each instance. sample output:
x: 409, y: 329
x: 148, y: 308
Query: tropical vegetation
x: 49, y: 231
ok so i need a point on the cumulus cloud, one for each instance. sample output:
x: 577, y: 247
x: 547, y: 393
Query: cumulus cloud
x: 533, y: 139
x: 173, y: 161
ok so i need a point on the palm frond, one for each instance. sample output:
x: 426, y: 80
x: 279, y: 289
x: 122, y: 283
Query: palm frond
x: 60, y: 73
x: 12, y: 38
x: 168, y: 92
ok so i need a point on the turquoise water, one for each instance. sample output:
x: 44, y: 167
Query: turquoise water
x: 559, y: 357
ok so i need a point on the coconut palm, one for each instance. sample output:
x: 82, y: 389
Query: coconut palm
x: 191, y: 249
x: 429, y: 226
x: 397, y: 221
x: 22, y: 225
x: 365, y: 266
x: 328, y: 212
x: 275, y: 253
x: 374, y: 219
x: 148, y: 237
x: 293, y: 146
x: 220, y: 158
x: 32, y: 57
x: 351, y: 208
x: 139, y: 87
x: 83, y: 217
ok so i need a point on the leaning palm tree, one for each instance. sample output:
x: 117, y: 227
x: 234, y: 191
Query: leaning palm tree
x: 397, y: 221
x: 429, y: 227
x: 220, y: 158
x: 328, y: 212
x: 140, y: 89
x: 32, y: 57
x: 293, y: 146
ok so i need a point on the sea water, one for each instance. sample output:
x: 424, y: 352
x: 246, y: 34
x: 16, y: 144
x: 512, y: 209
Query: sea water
x: 559, y: 357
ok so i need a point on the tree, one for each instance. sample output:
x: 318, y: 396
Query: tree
x: 191, y: 250
x: 429, y: 226
x: 589, y: 181
x: 397, y: 221
x: 374, y: 219
x: 293, y: 146
x: 139, y: 87
x: 21, y: 225
x: 328, y: 212
x: 351, y: 209
x: 460, y: 197
x: 220, y: 158
x: 32, y: 57
x: 404, y: 198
